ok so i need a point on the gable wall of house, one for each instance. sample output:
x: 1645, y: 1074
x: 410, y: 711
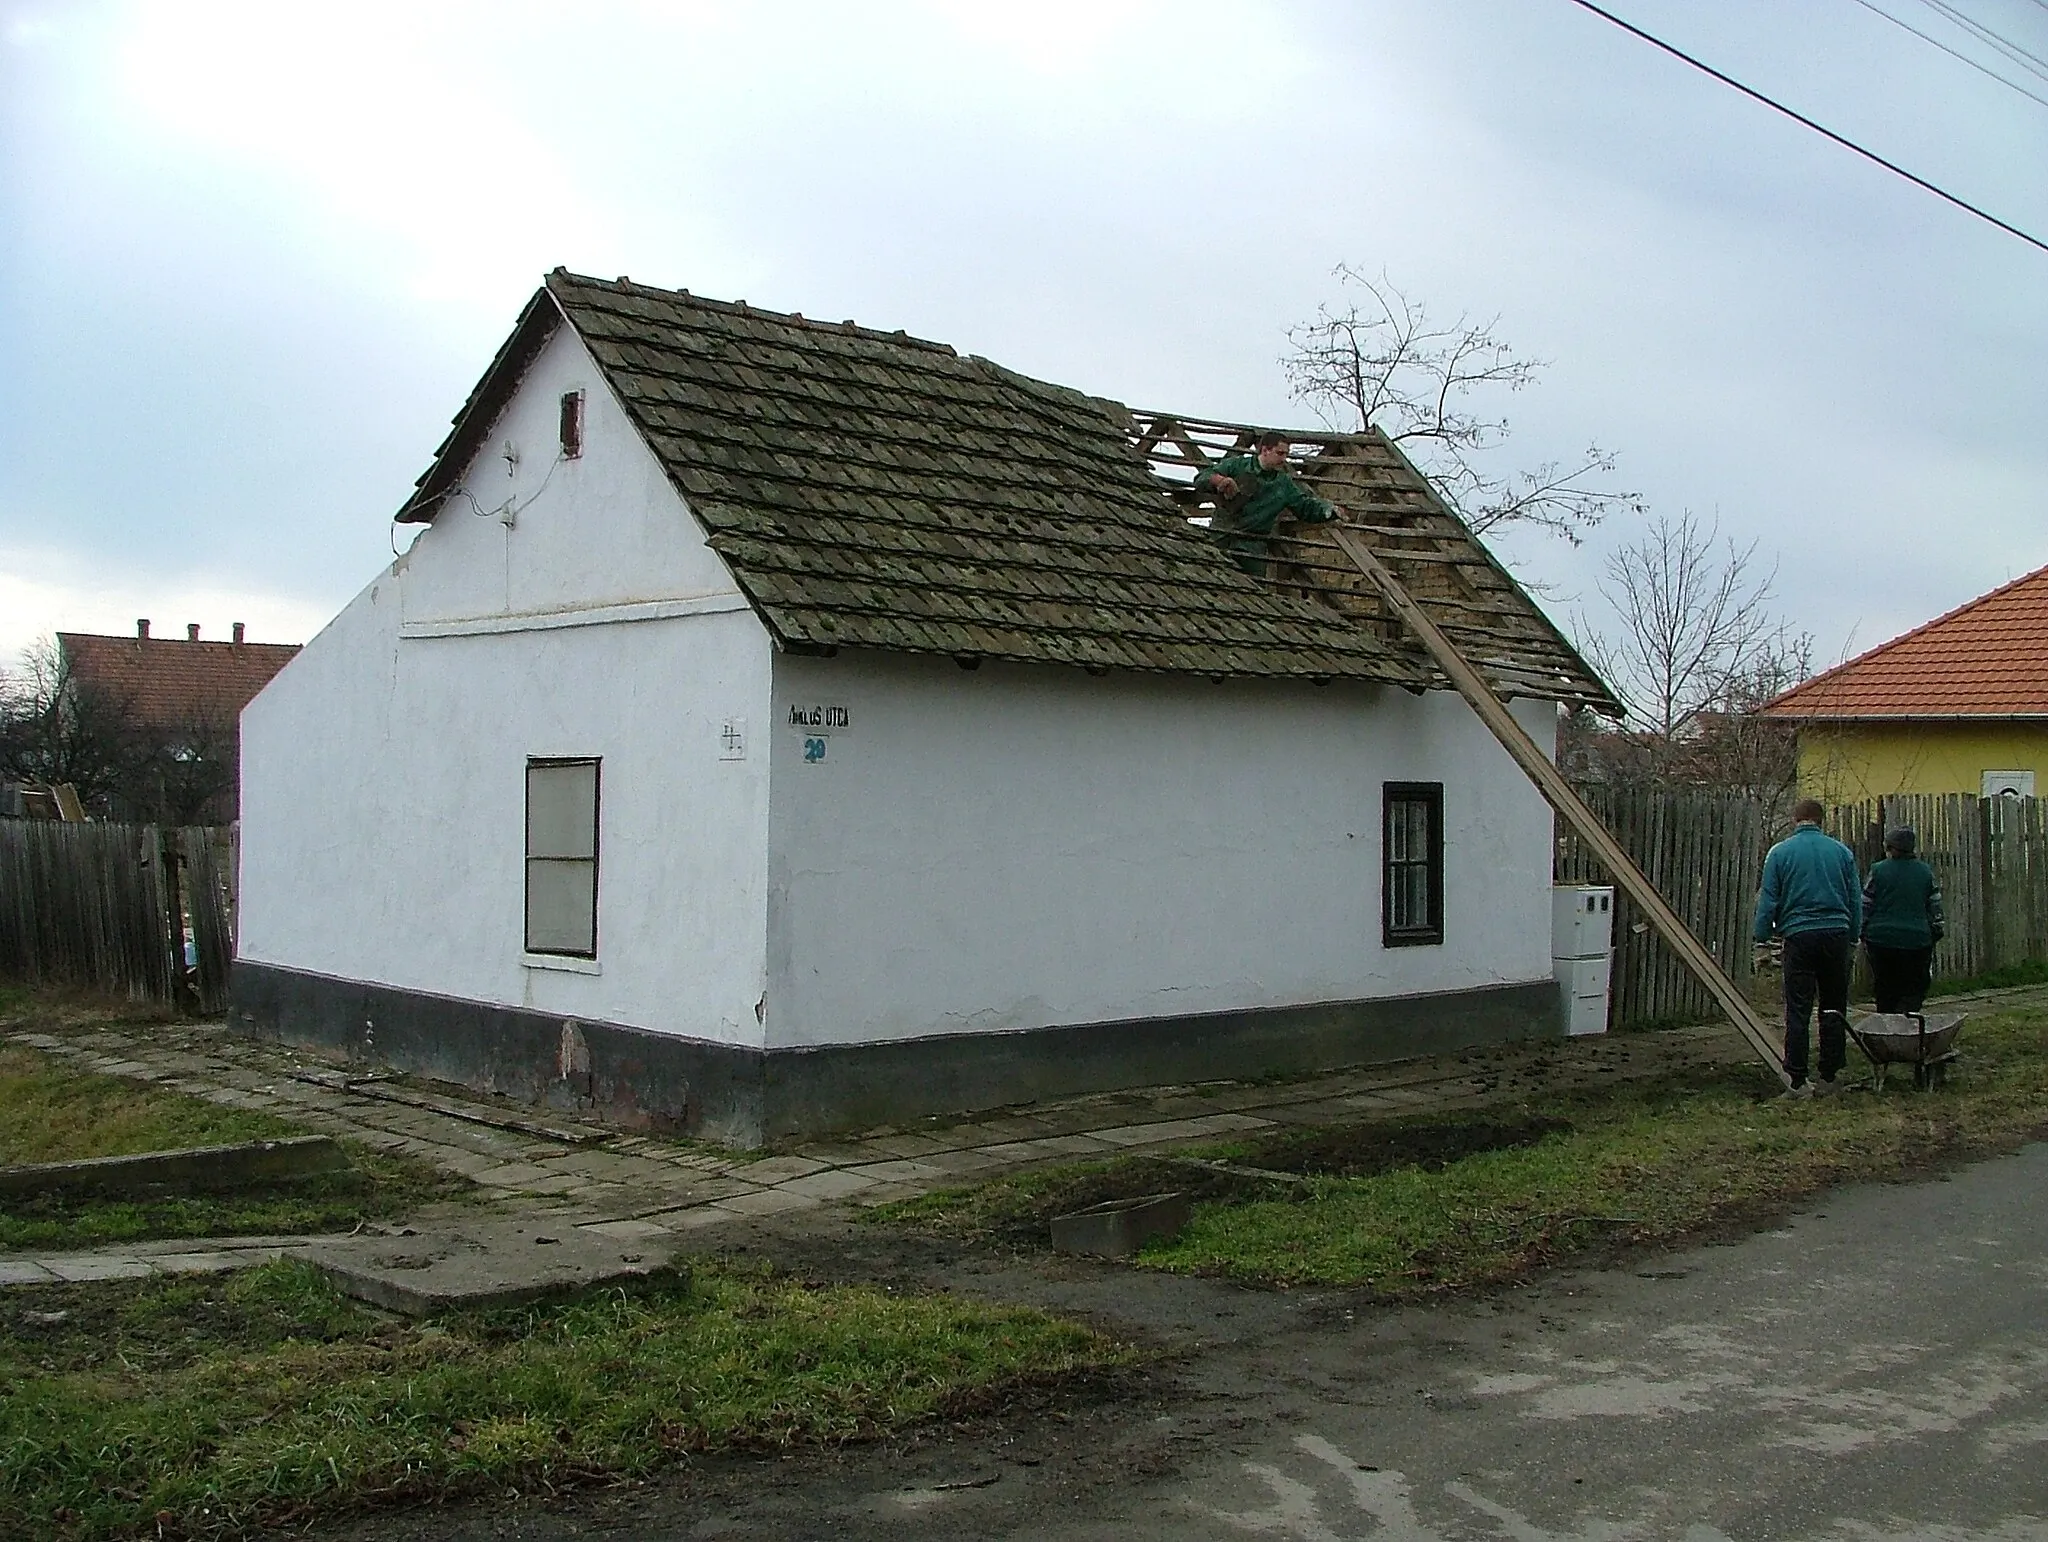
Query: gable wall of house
x: 558, y: 550
x: 1845, y: 762
x: 383, y: 836
x: 1017, y: 847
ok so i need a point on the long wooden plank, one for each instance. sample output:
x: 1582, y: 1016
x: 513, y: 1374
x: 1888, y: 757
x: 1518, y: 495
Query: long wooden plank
x: 1537, y: 767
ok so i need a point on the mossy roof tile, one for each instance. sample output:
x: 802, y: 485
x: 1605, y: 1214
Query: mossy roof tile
x: 875, y: 490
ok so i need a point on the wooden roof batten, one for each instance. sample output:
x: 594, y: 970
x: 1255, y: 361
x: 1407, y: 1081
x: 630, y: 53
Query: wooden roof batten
x: 1448, y: 571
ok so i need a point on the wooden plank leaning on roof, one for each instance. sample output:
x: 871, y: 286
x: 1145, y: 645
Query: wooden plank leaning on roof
x: 1551, y: 783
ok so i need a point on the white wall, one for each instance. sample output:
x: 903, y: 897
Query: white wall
x: 606, y: 528
x: 383, y: 771
x: 1016, y: 847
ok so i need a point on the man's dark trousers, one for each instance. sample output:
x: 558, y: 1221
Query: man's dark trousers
x: 1816, y: 964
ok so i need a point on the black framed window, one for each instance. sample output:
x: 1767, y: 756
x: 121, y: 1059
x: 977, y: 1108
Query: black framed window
x: 1412, y: 878
x: 561, y: 857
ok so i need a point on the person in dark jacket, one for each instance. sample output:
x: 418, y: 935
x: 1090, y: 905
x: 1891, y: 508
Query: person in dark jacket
x: 1811, y: 898
x: 1252, y: 492
x: 1902, y: 921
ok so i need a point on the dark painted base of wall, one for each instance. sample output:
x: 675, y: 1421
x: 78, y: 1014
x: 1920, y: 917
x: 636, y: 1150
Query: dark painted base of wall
x: 751, y: 1097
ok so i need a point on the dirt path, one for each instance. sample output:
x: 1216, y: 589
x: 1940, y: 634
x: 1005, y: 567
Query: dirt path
x: 1870, y: 1368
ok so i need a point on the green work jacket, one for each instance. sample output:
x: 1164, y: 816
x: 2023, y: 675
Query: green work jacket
x: 1262, y: 497
x: 1902, y: 904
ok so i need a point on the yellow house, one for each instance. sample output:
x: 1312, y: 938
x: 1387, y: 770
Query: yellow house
x: 1959, y: 705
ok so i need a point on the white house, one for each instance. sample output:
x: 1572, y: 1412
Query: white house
x: 784, y: 726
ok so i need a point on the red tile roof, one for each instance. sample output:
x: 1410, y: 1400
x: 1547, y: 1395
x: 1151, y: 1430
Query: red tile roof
x: 170, y: 682
x: 1987, y: 659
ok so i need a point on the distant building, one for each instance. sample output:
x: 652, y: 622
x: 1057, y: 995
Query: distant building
x: 1959, y: 705
x: 181, y: 702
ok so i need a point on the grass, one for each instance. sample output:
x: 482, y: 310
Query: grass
x: 51, y: 1112
x: 215, y: 1408
x: 1640, y: 1164
x: 2033, y: 972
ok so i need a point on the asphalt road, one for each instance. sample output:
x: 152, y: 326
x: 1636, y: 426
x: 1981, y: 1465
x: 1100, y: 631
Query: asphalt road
x: 1872, y: 1371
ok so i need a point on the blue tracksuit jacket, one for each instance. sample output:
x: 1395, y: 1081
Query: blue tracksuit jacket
x: 1810, y: 885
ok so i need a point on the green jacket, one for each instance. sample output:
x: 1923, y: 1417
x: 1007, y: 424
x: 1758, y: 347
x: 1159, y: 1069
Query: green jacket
x: 1902, y: 904
x: 1262, y: 497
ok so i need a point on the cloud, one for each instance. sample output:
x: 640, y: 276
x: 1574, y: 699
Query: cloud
x: 45, y: 591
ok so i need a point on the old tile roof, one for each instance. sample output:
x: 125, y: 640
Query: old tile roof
x: 173, y: 683
x: 870, y: 489
x: 1448, y: 572
x: 1988, y: 658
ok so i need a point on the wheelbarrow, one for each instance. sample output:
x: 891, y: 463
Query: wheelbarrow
x: 1927, y: 1044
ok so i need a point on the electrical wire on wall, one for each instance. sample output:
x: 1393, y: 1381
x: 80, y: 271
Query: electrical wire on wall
x: 507, y: 512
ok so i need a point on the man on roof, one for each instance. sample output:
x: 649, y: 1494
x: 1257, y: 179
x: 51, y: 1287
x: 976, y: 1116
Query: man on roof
x: 1251, y: 493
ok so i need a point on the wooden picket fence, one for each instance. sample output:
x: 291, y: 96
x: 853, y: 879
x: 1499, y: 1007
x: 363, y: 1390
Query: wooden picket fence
x: 108, y: 907
x: 1705, y: 853
x: 1991, y: 855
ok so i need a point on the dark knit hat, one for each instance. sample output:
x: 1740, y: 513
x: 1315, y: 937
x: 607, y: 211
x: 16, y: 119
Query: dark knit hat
x: 1902, y: 840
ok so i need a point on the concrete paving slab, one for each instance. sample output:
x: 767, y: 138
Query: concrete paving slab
x: 1014, y: 1152
x: 627, y: 1230
x: 551, y: 1182
x: 23, y: 1271
x: 960, y: 1164
x: 889, y: 1193
x: 1011, y: 1127
x: 1182, y: 1129
x: 829, y: 1184
x: 82, y: 1268
x: 765, y: 1202
x: 1067, y: 1146
x: 510, y: 1175
x: 212, y: 1263
x: 898, y: 1147
x: 898, y: 1172
x: 695, y: 1218
x: 774, y: 1170
x: 486, y: 1262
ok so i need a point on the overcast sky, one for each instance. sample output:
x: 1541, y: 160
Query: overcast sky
x: 252, y: 256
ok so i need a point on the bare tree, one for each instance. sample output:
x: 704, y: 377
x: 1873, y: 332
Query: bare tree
x: 1698, y: 646
x: 55, y: 728
x: 1380, y: 361
x: 183, y: 774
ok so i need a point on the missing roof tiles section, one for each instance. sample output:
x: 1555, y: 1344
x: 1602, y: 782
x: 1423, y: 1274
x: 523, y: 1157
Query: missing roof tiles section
x: 1445, y: 568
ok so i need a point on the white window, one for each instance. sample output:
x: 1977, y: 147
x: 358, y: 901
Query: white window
x: 561, y: 857
x: 2009, y: 784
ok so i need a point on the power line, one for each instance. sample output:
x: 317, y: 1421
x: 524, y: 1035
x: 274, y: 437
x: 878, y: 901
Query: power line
x: 1801, y: 118
x: 2031, y: 62
x: 1982, y: 69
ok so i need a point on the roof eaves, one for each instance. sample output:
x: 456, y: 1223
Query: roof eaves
x: 472, y: 425
x: 1834, y: 677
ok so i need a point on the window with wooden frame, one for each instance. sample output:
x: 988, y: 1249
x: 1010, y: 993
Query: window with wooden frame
x: 1412, y: 879
x: 561, y: 857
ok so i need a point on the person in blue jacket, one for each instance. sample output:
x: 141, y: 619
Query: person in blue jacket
x: 1812, y: 899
